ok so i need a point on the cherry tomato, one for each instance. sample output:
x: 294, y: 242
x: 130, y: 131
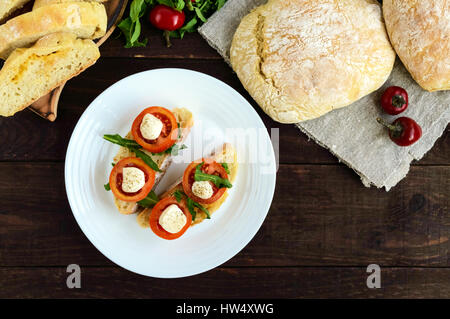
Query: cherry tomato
x: 404, y: 131
x: 116, y: 179
x: 158, y: 209
x: 169, y: 133
x: 166, y: 18
x: 394, y: 100
x: 209, y: 167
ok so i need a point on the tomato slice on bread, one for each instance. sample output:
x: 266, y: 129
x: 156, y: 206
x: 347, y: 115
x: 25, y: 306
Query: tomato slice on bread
x: 168, y: 135
x: 210, y: 167
x: 157, y: 211
x: 116, y: 179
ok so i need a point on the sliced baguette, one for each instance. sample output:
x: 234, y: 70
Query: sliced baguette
x: 32, y: 72
x: 9, y: 6
x: 42, y: 3
x: 224, y: 154
x: 186, y: 121
x: 87, y: 20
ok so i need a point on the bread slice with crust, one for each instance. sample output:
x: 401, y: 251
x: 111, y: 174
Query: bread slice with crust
x: 226, y: 153
x: 186, y: 121
x: 42, y: 3
x: 9, y: 6
x: 30, y: 73
x: 87, y: 20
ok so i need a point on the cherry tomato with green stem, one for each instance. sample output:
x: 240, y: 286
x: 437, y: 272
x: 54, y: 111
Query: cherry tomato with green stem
x: 404, y: 131
x: 167, y: 19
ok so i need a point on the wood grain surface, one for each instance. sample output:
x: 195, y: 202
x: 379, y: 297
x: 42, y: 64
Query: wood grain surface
x: 323, y: 229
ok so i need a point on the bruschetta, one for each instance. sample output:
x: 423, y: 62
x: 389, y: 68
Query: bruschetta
x: 195, y: 197
x: 146, y: 153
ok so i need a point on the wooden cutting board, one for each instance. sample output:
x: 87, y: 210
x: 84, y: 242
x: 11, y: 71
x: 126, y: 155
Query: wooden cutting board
x: 47, y: 106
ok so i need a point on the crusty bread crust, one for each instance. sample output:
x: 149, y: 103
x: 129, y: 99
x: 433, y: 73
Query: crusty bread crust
x: 42, y: 3
x: 9, y: 6
x: 185, y: 119
x: 300, y: 59
x: 224, y: 154
x: 32, y: 72
x: 419, y: 32
x: 87, y: 20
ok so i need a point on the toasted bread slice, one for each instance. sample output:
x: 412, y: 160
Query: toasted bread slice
x: 224, y: 154
x: 186, y: 121
x: 9, y: 6
x: 42, y: 3
x: 87, y: 20
x: 31, y: 73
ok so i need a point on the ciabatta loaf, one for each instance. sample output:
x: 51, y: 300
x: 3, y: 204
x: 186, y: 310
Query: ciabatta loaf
x: 300, y: 59
x: 42, y: 3
x: 87, y: 20
x: 9, y: 6
x: 30, y: 73
x: 420, y: 34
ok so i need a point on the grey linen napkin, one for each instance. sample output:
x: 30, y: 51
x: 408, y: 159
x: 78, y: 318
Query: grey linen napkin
x: 352, y: 133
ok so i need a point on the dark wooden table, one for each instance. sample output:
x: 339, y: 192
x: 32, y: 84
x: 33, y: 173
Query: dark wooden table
x: 324, y: 227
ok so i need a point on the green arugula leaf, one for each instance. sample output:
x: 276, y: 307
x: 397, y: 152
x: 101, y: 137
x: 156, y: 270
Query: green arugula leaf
x: 131, y: 26
x: 189, y: 27
x: 203, y: 209
x: 220, y: 3
x: 147, y: 159
x: 200, y: 14
x: 135, y: 9
x: 149, y: 201
x: 107, y: 187
x: 191, y: 204
x: 189, y: 5
x: 225, y: 166
x: 217, y: 180
x: 136, y: 31
x: 119, y: 140
x: 134, y: 147
x: 178, y: 195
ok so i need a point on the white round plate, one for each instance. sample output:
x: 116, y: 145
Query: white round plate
x: 220, y: 115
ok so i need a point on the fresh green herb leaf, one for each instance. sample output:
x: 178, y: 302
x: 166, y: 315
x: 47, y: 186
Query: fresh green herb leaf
x: 200, y: 14
x: 178, y: 195
x: 189, y: 5
x: 191, y: 204
x: 149, y: 201
x: 117, y: 139
x: 136, y: 31
x: 203, y: 209
x: 217, y: 180
x: 189, y: 27
x: 134, y: 147
x: 225, y: 165
x: 131, y: 26
x: 220, y: 3
x: 107, y: 187
x: 147, y: 159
